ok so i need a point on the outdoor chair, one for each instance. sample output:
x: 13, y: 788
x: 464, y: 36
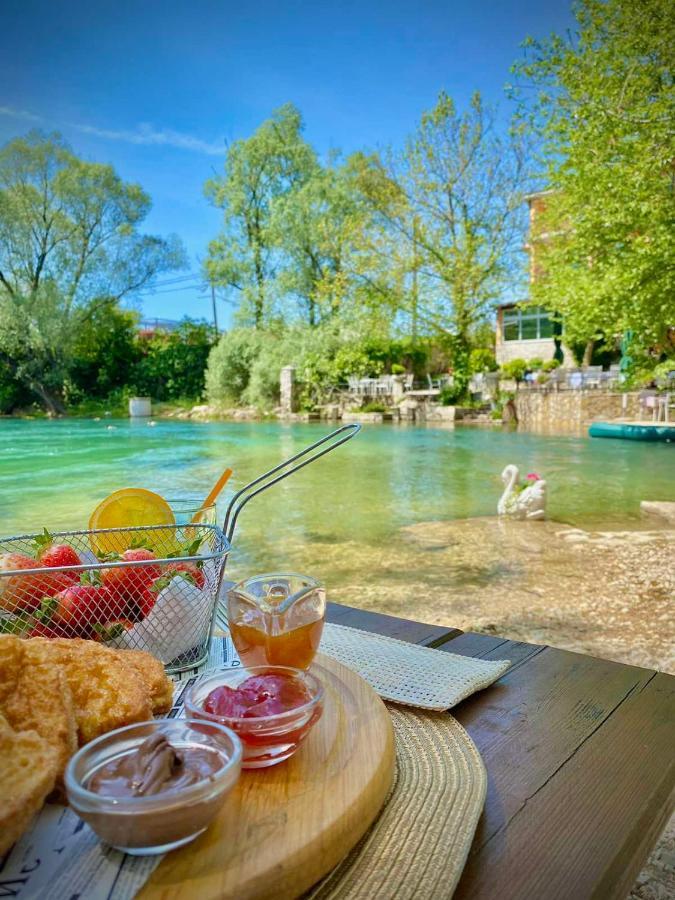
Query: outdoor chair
x: 648, y: 402
x: 408, y: 381
x: 592, y: 376
x: 575, y: 379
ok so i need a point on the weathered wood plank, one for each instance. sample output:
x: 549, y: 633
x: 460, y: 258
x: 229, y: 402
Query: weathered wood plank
x: 392, y: 626
x: 529, y: 728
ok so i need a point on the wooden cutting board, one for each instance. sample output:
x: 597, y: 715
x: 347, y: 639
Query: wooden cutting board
x: 283, y: 828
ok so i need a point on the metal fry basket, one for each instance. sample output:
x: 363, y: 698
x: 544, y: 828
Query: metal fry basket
x: 165, y: 604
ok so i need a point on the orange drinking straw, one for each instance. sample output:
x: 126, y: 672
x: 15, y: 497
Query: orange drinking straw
x: 213, y: 493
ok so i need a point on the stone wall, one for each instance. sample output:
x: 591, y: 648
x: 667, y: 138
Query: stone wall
x: 572, y: 410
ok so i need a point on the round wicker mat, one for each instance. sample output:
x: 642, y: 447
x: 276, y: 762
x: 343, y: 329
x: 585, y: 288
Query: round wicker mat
x: 418, y: 846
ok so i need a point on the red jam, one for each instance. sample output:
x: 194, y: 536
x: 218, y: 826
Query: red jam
x: 258, y: 696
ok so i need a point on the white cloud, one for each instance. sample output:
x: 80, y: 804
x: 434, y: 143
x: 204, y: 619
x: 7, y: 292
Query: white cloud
x: 19, y: 114
x: 144, y: 134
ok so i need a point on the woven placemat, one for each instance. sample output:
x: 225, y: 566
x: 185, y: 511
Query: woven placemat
x: 418, y: 846
x: 407, y: 673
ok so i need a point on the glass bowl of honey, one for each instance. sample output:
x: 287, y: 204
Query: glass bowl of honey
x: 277, y: 620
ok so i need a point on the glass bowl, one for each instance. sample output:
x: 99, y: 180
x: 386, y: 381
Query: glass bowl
x: 266, y: 740
x: 160, y: 822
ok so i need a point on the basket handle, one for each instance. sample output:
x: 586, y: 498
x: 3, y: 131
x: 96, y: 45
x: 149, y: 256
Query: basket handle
x: 262, y: 482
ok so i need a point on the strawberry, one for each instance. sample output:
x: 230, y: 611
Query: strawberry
x: 19, y: 593
x: 40, y: 629
x: 128, y: 582
x: 147, y: 600
x: 78, y: 607
x: 190, y: 571
x: 56, y: 555
x: 111, y: 630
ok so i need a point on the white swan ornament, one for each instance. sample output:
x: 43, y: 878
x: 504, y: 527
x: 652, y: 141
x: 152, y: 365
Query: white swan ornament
x: 528, y: 503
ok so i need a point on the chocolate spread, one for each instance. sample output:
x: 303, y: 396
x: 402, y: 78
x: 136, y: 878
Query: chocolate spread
x: 155, y: 767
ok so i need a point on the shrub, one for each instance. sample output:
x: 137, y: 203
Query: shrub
x: 397, y: 369
x: 373, y: 407
x: 515, y: 368
x: 105, y: 353
x: 172, y: 364
x: 228, y: 371
x: 482, y: 360
x: 550, y: 365
x: 534, y: 365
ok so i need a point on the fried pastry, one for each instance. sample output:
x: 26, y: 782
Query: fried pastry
x: 28, y: 769
x: 36, y: 697
x: 107, y: 694
x: 154, y: 677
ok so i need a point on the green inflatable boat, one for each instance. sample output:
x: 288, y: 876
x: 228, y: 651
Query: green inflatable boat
x: 634, y: 431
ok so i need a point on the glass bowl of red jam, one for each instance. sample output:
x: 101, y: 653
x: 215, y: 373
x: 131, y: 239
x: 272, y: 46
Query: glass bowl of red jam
x: 154, y: 786
x: 271, y: 708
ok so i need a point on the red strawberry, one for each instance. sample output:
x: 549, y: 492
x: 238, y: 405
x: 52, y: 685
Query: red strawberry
x: 78, y: 607
x: 19, y: 593
x: 56, y: 555
x: 146, y: 601
x: 40, y: 629
x: 187, y: 570
x: 128, y: 582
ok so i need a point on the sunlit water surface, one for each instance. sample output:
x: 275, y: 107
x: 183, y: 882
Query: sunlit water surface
x: 53, y: 474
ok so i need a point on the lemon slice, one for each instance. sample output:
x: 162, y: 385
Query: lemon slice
x: 132, y: 507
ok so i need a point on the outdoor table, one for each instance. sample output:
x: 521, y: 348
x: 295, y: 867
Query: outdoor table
x: 580, y: 763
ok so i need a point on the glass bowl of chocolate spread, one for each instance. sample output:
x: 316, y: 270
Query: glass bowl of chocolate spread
x: 154, y: 786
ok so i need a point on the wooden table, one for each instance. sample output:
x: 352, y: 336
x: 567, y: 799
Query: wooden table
x: 580, y: 755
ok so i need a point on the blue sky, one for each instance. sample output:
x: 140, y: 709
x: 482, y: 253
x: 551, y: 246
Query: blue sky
x: 158, y: 87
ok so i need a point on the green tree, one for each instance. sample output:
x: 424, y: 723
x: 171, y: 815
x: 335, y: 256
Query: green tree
x: 450, y: 210
x: 105, y: 351
x: 259, y: 171
x: 69, y: 244
x: 172, y: 364
x: 604, y: 108
x: 318, y: 227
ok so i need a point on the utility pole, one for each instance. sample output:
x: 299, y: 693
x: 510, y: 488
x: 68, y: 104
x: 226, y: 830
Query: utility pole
x: 215, y: 311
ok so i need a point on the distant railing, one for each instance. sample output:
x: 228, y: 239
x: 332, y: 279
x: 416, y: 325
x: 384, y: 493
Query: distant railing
x: 158, y: 325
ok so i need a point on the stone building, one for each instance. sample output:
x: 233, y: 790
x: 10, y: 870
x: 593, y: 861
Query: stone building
x: 526, y: 331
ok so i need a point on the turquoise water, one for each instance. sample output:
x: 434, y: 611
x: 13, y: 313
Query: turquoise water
x: 54, y: 473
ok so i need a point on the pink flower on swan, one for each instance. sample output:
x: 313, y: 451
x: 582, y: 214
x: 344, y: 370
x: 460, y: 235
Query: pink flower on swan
x: 532, y: 476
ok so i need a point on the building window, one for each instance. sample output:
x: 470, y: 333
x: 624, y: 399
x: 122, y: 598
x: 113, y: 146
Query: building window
x: 528, y: 324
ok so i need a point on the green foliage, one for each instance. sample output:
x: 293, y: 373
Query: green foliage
x: 449, y: 218
x: 482, y: 360
x: 372, y: 407
x: 397, y: 369
x: 550, y: 365
x: 515, y: 368
x: 604, y: 107
x: 104, y: 354
x: 535, y: 364
x: 172, y: 364
x: 259, y: 172
x: 69, y: 245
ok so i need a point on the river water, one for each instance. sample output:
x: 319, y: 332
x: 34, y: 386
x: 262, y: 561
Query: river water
x: 52, y: 473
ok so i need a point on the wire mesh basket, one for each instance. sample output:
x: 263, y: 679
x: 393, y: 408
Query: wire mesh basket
x: 153, y: 587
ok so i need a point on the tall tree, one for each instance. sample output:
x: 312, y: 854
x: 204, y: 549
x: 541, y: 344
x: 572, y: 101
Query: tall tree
x: 602, y: 100
x: 451, y: 216
x: 69, y: 244
x: 259, y: 171
x: 318, y: 229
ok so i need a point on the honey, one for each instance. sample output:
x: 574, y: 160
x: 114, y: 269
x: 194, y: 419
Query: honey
x: 296, y: 647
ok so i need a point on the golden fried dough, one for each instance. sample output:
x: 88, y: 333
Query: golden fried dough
x: 28, y: 767
x: 154, y: 677
x: 107, y: 694
x: 11, y: 661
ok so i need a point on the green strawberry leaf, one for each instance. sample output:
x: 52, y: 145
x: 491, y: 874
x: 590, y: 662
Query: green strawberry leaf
x: 46, y: 610
x: 44, y: 540
x: 91, y: 576
x: 110, y: 632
